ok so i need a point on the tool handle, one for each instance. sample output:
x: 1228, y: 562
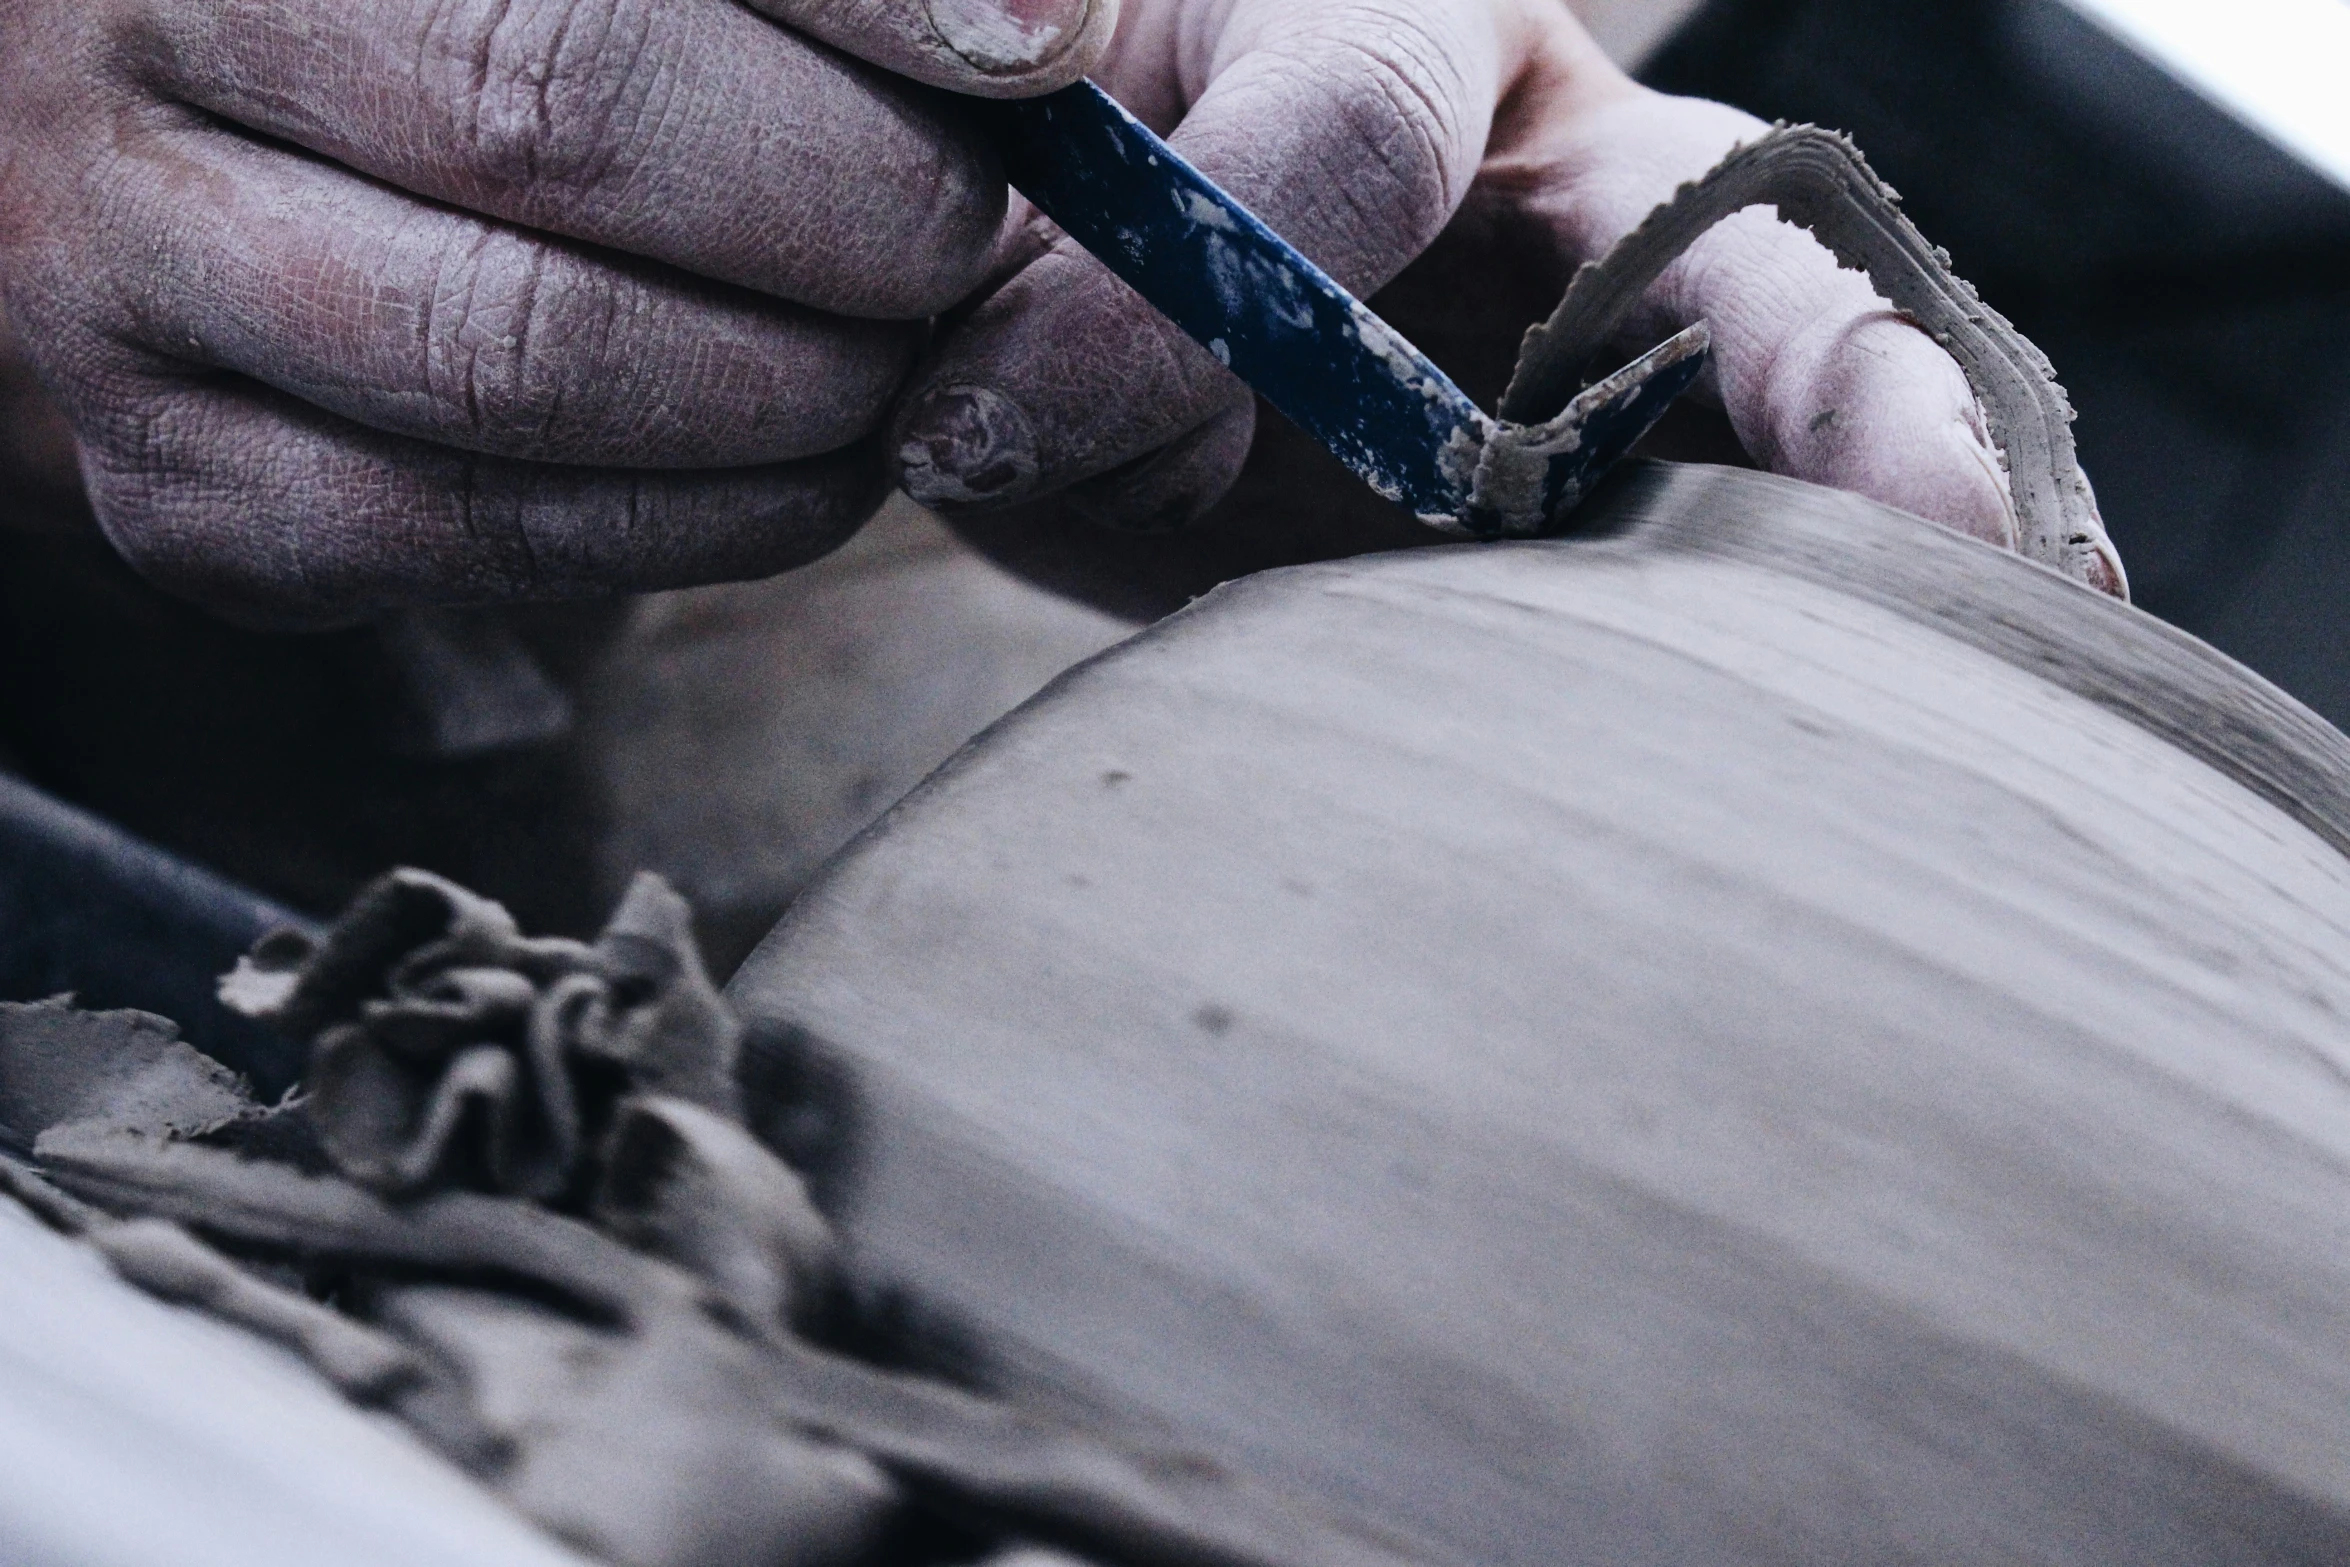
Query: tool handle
x: 1244, y: 293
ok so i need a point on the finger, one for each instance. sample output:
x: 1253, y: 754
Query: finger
x: 1062, y: 375
x: 1821, y: 380
x: 685, y: 131
x: 1859, y: 399
x: 274, y: 514
x: 1352, y: 127
x: 989, y: 48
x: 37, y: 463
x: 1172, y: 487
x: 412, y: 318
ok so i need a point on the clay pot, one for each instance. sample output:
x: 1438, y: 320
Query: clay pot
x: 1771, y: 1034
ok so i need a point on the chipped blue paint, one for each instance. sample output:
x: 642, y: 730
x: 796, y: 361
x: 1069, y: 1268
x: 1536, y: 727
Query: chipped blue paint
x: 1308, y: 346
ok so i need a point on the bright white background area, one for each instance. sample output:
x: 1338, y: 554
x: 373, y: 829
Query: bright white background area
x: 2281, y: 66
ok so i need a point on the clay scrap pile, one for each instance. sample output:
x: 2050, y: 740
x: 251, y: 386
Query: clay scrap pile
x: 517, y: 1206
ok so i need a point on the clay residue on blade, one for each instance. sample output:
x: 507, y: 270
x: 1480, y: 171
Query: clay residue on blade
x: 1529, y: 476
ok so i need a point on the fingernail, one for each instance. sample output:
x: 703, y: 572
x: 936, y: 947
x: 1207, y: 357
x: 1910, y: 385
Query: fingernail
x: 1002, y: 37
x: 966, y: 446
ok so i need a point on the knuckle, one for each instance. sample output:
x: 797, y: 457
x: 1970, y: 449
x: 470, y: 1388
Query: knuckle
x: 509, y: 319
x: 512, y: 535
x: 1403, y: 106
x: 550, y: 92
x: 1365, y: 138
x: 915, y: 237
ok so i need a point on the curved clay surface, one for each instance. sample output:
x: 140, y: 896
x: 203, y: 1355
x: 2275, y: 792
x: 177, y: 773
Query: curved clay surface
x: 1773, y: 1035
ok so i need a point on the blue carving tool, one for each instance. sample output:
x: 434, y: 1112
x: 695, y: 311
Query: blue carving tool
x: 1312, y: 349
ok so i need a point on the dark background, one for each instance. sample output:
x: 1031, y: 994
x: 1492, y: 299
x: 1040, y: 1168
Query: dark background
x: 2190, y: 280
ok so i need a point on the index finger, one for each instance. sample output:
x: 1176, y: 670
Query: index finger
x: 1353, y: 130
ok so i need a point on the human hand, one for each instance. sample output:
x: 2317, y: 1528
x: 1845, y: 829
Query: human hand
x: 352, y: 306
x: 40, y: 483
x: 1368, y: 131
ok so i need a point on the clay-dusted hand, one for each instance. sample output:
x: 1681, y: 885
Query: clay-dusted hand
x: 357, y: 305
x: 1364, y: 130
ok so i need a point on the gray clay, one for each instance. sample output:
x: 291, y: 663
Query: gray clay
x: 127, y: 1069
x: 1771, y: 1033
x: 557, y: 1254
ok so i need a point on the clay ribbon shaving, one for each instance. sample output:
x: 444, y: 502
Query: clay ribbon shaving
x: 1819, y: 181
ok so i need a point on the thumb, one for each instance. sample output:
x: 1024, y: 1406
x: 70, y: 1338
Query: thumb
x: 989, y: 48
x: 1352, y: 127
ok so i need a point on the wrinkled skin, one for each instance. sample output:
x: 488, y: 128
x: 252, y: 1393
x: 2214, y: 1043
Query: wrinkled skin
x: 1362, y: 129
x: 351, y: 307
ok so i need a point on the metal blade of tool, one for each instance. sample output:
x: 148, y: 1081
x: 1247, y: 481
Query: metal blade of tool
x: 1304, y: 343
